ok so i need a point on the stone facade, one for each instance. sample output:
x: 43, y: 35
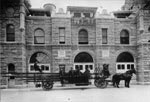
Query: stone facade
x: 55, y: 54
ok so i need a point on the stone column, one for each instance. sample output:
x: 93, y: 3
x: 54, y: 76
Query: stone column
x: 22, y: 15
x: 140, y: 66
x: 141, y: 22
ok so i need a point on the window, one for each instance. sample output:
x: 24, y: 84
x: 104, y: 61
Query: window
x: 104, y: 35
x: 62, y: 35
x: 83, y: 37
x: 124, y: 37
x: 123, y: 67
x: 39, y: 36
x: 10, y: 33
x: 86, y: 14
x: 43, y: 67
x: 77, y: 14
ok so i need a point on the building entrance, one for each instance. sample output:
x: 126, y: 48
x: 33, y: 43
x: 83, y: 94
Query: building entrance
x: 42, y: 61
x: 11, y: 79
x: 125, y: 61
x: 84, y: 60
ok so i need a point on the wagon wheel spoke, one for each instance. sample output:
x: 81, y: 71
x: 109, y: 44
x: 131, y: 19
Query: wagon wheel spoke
x: 47, y: 85
x: 101, y: 83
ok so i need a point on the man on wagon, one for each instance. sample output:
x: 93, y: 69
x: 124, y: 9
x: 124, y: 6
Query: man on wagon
x: 36, y: 67
x: 87, y: 74
x: 105, y: 72
x: 71, y: 75
x: 61, y: 75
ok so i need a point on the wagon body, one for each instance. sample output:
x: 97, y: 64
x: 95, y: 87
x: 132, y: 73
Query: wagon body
x: 46, y: 80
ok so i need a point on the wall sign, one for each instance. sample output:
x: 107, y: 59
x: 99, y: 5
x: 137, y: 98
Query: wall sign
x: 61, y: 53
x: 105, y: 53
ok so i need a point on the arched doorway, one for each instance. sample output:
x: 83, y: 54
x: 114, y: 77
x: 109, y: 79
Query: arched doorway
x: 84, y: 60
x: 125, y: 61
x: 43, y: 62
x: 11, y: 79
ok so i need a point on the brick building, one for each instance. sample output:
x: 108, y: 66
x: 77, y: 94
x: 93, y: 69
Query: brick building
x: 80, y: 37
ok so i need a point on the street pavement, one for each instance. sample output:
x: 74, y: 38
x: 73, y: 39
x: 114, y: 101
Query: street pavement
x: 136, y: 93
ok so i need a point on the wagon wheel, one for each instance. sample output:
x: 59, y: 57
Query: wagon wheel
x: 47, y: 85
x: 101, y: 83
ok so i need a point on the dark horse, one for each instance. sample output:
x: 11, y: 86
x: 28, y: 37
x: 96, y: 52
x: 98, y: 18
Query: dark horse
x: 123, y: 76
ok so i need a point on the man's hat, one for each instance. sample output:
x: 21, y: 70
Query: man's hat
x: 105, y: 65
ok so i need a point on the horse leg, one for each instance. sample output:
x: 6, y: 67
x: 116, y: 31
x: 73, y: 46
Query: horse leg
x: 125, y: 82
x: 113, y: 81
x: 128, y: 83
x: 117, y: 83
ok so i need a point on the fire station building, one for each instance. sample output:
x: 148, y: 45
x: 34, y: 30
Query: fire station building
x: 78, y: 37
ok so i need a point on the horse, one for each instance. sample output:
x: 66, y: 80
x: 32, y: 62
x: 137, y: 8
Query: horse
x: 123, y: 76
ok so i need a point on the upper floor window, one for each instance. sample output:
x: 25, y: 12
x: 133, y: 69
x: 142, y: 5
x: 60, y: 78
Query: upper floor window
x: 86, y: 14
x: 83, y: 37
x: 62, y: 35
x: 10, y: 33
x: 77, y: 14
x: 124, y: 37
x: 39, y: 36
x: 104, y: 35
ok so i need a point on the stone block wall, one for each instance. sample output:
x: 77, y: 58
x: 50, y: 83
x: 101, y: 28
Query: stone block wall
x: 105, y: 23
x: 61, y: 23
x: 33, y: 23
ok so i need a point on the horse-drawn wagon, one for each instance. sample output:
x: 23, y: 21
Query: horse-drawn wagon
x: 47, y: 80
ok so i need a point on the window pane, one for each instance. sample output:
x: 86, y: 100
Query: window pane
x: 10, y: 29
x: 42, y: 67
x: 91, y: 67
x: 77, y: 14
x: 86, y: 14
x: 123, y: 67
x: 124, y: 33
x: 10, y: 33
x: 39, y: 40
x: 10, y: 37
x: 39, y: 32
x: 81, y: 67
x: 62, y: 39
x: 128, y: 66
x: 61, y: 31
x: 124, y: 40
x: 32, y: 68
x: 47, y: 68
x: 124, y: 37
x: 61, y: 35
x: 104, y: 35
x: 119, y: 67
x: 83, y: 37
x: 39, y: 37
x: 132, y: 66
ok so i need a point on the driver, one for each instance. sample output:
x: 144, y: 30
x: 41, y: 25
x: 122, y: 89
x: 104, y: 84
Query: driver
x: 105, y: 72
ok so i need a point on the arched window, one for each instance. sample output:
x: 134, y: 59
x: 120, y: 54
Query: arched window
x: 39, y: 36
x: 124, y: 37
x: 125, y: 57
x: 125, y: 61
x: 83, y: 57
x: 10, y: 33
x: 83, y: 37
x: 43, y: 62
